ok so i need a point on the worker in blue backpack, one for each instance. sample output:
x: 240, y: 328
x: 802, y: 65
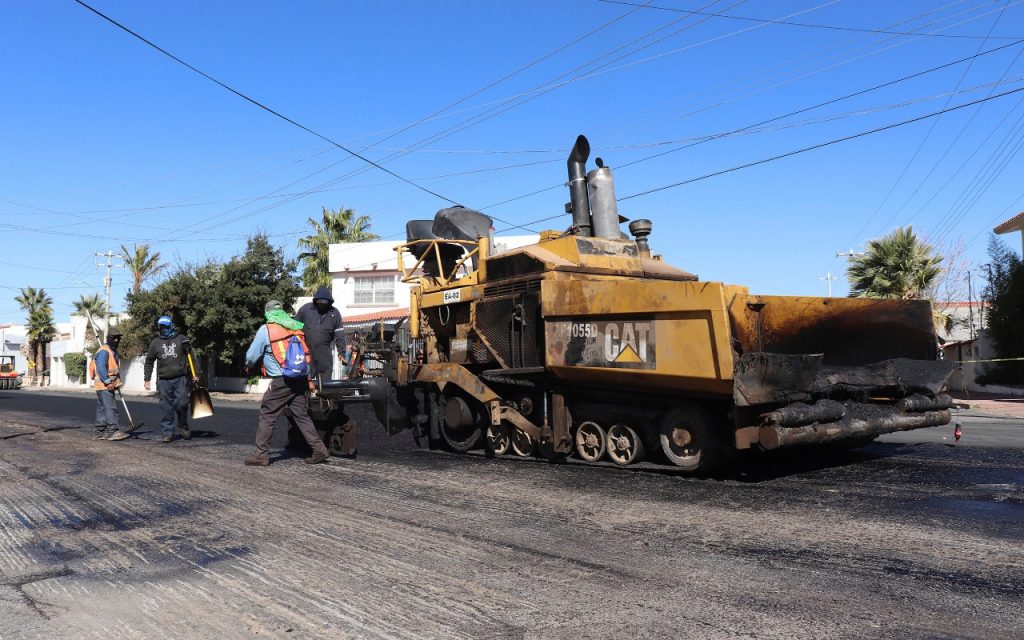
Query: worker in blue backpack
x: 281, y: 347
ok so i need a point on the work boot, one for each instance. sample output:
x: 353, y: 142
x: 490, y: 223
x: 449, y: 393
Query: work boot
x: 186, y: 433
x: 99, y: 433
x: 257, y: 461
x: 318, y: 457
x: 119, y: 435
x: 167, y: 439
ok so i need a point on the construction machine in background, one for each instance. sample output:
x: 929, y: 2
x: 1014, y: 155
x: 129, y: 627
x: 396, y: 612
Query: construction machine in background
x: 587, y: 344
x: 9, y: 376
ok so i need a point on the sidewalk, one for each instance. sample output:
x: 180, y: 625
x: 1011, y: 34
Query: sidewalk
x: 992, y: 404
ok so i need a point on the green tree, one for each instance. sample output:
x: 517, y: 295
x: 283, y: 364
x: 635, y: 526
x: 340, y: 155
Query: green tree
x: 896, y: 266
x: 141, y: 263
x: 1005, y: 296
x: 38, y: 307
x: 90, y: 307
x: 219, y: 306
x: 336, y: 226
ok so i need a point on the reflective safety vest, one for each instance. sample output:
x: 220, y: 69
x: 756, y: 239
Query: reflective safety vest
x: 279, y: 338
x: 113, y: 369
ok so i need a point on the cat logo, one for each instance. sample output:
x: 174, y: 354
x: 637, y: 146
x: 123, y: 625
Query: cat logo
x: 622, y: 344
x: 627, y: 342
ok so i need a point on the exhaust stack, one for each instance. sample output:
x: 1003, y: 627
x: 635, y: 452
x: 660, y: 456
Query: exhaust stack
x: 579, y: 202
x: 604, y: 212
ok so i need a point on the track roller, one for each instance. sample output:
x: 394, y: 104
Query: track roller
x: 591, y: 441
x: 499, y: 440
x: 624, y: 445
x: 522, y: 444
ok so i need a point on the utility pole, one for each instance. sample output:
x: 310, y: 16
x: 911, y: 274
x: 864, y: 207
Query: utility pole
x: 829, y: 278
x: 109, y: 255
x: 985, y: 295
x: 970, y: 305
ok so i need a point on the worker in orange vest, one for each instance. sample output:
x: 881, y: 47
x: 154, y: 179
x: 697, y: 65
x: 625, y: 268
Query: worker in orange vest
x: 106, y: 374
x: 280, y: 349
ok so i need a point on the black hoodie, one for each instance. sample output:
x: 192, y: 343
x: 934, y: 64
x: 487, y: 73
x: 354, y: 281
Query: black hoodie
x: 321, y: 329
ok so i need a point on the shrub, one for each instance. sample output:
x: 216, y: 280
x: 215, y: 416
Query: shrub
x: 74, y: 365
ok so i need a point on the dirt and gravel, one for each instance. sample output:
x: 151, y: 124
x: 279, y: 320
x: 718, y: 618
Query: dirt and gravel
x: 911, y: 539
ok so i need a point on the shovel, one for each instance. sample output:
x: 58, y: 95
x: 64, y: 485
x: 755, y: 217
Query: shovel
x: 199, y: 399
x: 128, y: 413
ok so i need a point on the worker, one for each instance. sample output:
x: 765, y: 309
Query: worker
x: 348, y: 360
x: 106, y: 372
x: 322, y: 326
x: 281, y: 348
x: 170, y: 351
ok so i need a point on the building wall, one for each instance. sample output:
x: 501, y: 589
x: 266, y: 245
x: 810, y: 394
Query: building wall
x: 963, y: 379
x: 353, y: 265
x: 12, y: 337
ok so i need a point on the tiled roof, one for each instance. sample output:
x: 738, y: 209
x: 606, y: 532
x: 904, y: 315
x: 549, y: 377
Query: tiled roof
x: 1016, y: 223
x: 389, y: 314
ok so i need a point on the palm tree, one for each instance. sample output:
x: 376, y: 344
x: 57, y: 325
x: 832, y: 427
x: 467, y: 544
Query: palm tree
x: 336, y: 227
x: 31, y: 298
x: 142, y: 264
x: 91, y: 307
x: 41, y: 331
x: 897, y: 266
x: 38, y: 306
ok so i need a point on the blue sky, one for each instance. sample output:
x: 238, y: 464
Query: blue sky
x: 106, y: 142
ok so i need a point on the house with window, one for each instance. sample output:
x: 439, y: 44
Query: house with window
x: 367, y: 285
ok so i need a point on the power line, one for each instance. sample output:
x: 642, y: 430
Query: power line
x: 261, y: 105
x: 813, y: 107
x: 949, y: 148
x: 543, y: 88
x: 405, y: 128
x: 648, y: 5
x: 821, y: 145
x: 834, y: 61
x: 924, y: 141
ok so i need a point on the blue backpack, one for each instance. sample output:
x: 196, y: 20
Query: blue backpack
x: 295, y: 365
x: 290, y: 351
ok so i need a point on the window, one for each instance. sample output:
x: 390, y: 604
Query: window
x: 374, y: 290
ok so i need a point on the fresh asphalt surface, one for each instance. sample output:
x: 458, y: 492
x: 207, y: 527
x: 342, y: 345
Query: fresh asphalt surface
x: 911, y: 536
x: 234, y: 422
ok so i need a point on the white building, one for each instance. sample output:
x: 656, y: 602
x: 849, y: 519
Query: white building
x: 367, y: 285
x: 12, y: 337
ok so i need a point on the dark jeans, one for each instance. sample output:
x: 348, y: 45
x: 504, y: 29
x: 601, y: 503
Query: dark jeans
x: 174, y: 404
x: 284, y: 393
x: 106, y: 410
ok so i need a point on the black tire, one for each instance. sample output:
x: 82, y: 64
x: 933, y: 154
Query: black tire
x: 459, y: 440
x: 705, y: 448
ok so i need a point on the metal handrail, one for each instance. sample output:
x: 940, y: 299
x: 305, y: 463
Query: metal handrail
x: 408, y: 275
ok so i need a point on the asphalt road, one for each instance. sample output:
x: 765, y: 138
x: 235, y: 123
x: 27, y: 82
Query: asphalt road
x: 909, y: 537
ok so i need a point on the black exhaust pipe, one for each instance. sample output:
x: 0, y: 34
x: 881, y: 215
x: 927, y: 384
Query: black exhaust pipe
x: 579, y: 202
